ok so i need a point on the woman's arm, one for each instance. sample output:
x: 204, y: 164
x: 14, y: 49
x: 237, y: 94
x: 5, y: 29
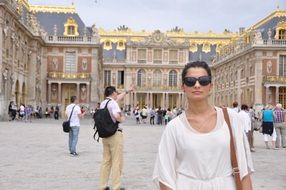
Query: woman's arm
x: 246, y: 183
x: 164, y: 187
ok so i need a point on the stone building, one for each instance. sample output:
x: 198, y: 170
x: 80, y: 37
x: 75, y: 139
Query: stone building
x: 47, y: 54
x: 251, y: 69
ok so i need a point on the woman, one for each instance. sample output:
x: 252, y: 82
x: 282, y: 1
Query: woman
x: 194, y: 151
x: 268, y: 129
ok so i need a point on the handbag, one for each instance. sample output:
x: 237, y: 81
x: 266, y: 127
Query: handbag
x: 234, y: 164
x: 66, y: 124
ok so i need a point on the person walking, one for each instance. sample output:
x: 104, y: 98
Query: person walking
x: 73, y: 109
x: 194, y: 151
x: 245, y: 118
x: 280, y: 126
x: 268, y: 129
x: 253, y: 125
x: 113, y: 146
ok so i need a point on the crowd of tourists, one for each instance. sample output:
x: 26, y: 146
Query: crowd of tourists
x: 269, y: 120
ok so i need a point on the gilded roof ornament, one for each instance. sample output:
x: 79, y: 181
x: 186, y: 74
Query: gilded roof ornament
x: 53, y: 9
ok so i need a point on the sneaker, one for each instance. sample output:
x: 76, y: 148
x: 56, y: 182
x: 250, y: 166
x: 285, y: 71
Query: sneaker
x: 74, y: 154
x: 107, y: 188
x: 252, y: 149
x: 122, y: 188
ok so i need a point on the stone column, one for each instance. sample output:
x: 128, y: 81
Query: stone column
x: 87, y: 93
x: 77, y: 90
x: 164, y: 100
x: 266, y: 94
x: 238, y: 87
x: 258, y: 79
x: 49, y: 92
x: 148, y: 99
x: 277, y: 94
x: 59, y: 93
x: 167, y: 100
x: 151, y: 99
x: 135, y: 98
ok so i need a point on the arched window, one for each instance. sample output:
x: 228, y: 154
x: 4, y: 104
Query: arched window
x: 173, y: 78
x: 141, y: 78
x: 157, y: 78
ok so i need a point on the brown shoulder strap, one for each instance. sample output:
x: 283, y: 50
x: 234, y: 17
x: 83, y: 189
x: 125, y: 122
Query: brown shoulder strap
x: 235, y: 169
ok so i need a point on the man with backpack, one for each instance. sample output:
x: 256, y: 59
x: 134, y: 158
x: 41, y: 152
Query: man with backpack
x: 112, y: 145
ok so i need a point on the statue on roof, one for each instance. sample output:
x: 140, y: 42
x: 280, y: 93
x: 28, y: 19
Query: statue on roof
x: 122, y: 28
x: 94, y: 30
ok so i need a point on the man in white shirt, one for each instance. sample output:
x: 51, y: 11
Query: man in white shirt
x: 113, y: 145
x: 74, y: 124
x: 245, y: 118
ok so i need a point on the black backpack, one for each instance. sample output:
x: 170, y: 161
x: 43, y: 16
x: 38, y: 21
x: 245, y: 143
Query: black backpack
x: 103, y: 123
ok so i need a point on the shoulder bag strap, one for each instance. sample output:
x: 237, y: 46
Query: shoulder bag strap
x: 235, y: 169
x: 71, y: 113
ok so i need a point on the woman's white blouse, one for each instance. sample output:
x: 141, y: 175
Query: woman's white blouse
x: 189, y: 160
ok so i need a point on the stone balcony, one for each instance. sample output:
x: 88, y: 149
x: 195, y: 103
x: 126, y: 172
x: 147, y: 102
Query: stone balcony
x: 61, y: 75
x: 274, y: 79
x: 72, y: 39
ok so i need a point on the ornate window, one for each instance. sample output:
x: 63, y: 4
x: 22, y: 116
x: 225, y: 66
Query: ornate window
x: 71, y: 27
x: 70, y: 62
x: 281, y: 31
x: 142, y: 55
x: 157, y: 78
x: 173, y: 56
x: 157, y: 56
x: 141, y: 78
x: 173, y: 78
x: 107, y: 78
x: 282, y: 65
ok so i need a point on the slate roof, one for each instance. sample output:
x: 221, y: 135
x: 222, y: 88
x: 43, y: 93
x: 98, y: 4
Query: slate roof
x: 48, y: 20
x: 270, y: 24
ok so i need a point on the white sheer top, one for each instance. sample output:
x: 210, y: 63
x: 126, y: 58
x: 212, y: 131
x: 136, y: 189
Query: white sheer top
x: 189, y: 160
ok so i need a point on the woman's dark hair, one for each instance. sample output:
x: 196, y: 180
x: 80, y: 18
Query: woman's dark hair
x: 73, y: 98
x: 109, y: 90
x: 196, y: 64
x: 244, y: 107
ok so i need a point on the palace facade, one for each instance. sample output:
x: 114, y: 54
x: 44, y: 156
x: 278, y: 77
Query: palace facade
x: 251, y: 69
x: 48, y: 54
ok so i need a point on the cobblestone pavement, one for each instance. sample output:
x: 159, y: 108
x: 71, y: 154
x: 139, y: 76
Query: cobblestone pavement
x: 34, y: 156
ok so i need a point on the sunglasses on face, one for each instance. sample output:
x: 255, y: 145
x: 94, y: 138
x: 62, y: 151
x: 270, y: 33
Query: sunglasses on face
x: 203, y: 80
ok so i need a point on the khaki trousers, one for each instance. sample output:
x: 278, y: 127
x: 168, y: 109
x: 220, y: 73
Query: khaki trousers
x: 112, y: 160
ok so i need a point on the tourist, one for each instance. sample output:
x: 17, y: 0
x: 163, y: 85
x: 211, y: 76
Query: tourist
x: 194, y: 151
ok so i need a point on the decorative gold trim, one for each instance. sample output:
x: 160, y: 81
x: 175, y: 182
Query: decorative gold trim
x: 52, y: 9
x: 280, y: 26
x: 279, y: 13
x: 71, y: 22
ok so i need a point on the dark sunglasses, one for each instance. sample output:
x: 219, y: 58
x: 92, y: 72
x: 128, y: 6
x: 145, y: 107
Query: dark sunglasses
x: 203, y: 80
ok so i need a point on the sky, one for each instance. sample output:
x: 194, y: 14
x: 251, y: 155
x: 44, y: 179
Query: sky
x: 191, y: 15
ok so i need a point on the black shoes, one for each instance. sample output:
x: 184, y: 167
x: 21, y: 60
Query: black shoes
x: 121, y: 188
x: 74, y: 154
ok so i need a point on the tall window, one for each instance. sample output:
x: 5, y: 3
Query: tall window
x: 157, y: 56
x: 173, y: 56
x: 141, y: 78
x: 141, y: 55
x: 157, y: 78
x: 71, y: 30
x: 173, y: 78
x: 107, y: 78
x: 120, y: 77
x: 282, y: 35
x: 282, y: 65
x: 70, y: 62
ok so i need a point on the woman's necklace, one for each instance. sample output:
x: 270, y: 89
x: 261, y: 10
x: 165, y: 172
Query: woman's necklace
x: 202, y: 122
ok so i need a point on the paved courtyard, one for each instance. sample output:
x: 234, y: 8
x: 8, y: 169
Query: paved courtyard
x: 35, y: 156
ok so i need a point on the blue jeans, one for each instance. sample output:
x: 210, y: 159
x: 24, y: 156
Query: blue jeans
x: 73, y: 137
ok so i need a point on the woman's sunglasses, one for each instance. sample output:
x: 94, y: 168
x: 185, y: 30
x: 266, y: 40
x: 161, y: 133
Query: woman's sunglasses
x: 203, y: 80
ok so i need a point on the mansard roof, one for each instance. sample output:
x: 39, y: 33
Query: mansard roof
x: 49, y: 19
x: 269, y: 22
